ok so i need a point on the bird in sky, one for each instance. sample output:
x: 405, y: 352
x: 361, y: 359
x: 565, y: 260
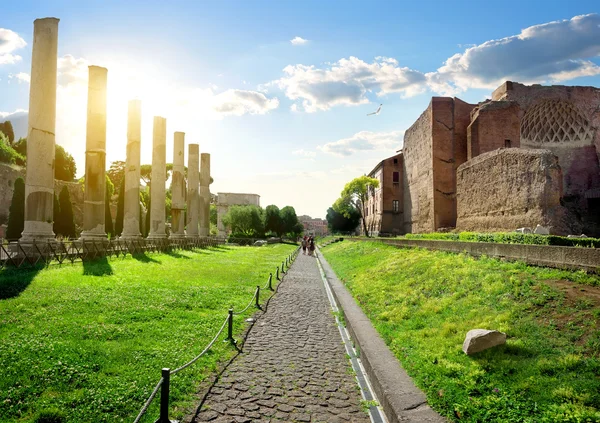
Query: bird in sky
x: 376, y: 112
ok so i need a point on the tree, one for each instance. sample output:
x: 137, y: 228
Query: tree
x: 354, y: 196
x: 56, y: 213
x: 120, y: 209
x: 21, y: 147
x: 289, y: 220
x: 7, y: 153
x: 213, y: 214
x: 116, y: 172
x: 108, y: 222
x: 245, y: 220
x: 64, y: 165
x: 7, y: 128
x: 16, y: 213
x: 337, y: 222
x: 273, y: 221
x: 66, y: 223
x: 147, y: 220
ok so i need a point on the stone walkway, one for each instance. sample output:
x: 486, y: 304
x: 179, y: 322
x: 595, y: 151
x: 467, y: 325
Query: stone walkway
x: 294, y: 367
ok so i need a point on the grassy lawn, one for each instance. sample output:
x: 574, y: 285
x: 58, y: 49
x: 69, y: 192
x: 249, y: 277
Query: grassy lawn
x: 423, y: 303
x: 89, y: 340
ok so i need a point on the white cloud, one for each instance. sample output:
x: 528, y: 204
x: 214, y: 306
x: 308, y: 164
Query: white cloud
x: 20, y: 77
x: 304, y: 153
x: 9, y: 42
x: 241, y: 102
x: 551, y: 52
x: 298, y: 41
x: 365, y: 141
x: 347, y: 82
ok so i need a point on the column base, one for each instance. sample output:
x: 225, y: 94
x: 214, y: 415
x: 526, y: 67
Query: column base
x: 177, y: 236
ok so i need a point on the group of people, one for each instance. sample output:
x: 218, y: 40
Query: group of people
x: 308, y: 243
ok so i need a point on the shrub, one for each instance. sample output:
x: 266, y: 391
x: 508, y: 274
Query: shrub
x: 510, y: 238
x: 7, y: 153
x: 66, y: 222
x: 16, y: 214
x: 52, y: 415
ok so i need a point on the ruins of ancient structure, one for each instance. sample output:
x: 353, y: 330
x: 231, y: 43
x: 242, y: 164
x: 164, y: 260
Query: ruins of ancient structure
x: 178, y: 188
x: 159, y: 176
x: 442, y: 185
x: 193, y: 199
x: 131, y: 211
x: 95, y: 156
x: 204, y: 201
x: 39, y: 184
x: 227, y: 199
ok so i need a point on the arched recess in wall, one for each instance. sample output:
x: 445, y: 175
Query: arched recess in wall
x: 555, y: 123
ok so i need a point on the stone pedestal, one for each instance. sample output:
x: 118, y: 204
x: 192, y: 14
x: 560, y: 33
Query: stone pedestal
x: 159, y: 176
x: 131, y: 215
x: 39, y: 182
x: 95, y: 157
x: 193, y: 199
x: 204, y: 194
x: 178, y: 188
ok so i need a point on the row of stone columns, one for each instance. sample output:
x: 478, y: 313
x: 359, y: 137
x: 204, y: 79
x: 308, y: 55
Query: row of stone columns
x: 39, y: 184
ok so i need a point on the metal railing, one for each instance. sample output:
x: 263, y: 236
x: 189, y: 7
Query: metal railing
x: 165, y: 381
x: 18, y: 255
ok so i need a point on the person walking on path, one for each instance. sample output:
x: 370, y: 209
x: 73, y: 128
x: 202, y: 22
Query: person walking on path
x: 293, y: 367
x: 311, y: 247
x: 304, y: 244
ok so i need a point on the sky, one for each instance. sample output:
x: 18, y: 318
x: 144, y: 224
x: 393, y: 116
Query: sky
x: 278, y: 92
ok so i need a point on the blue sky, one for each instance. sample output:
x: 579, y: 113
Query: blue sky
x: 288, y: 120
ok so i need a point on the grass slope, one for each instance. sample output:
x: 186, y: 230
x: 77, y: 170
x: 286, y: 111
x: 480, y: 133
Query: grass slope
x: 87, y: 341
x: 423, y: 303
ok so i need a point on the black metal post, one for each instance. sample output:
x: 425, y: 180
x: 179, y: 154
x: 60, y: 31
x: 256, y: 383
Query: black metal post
x: 277, y: 275
x: 257, y: 296
x: 282, y: 269
x: 164, y: 397
x: 230, y: 327
x: 270, y: 282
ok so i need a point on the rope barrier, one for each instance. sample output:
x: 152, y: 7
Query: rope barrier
x: 193, y: 360
x: 248, y: 306
x: 148, y: 401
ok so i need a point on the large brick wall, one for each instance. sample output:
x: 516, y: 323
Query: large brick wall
x: 506, y: 189
x: 494, y: 124
x: 382, y: 218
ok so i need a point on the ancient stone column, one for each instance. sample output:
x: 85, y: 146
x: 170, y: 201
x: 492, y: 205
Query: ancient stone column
x: 39, y: 182
x: 131, y: 215
x: 193, y: 199
x: 159, y: 176
x: 95, y: 156
x: 178, y: 188
x: 204, y: 194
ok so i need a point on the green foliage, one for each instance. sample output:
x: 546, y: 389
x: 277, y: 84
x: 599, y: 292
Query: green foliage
x: 108, y: 221
x: 16, y: 214
x: 7, y: 129
x: 354, y: 198
x: 337, y: 222
x: 64, y: 165
x: 289, y: 220
x: 65, y: 223
x: 92, y: 346
x: 116, y: 172
x: 213, y: 214
x: 7, y: 153
x: 245, y: 220
x: 146, y: 230
x: 120, y: 209
x: 423, y: 303
x: 52, y: 415
x: 55, y: 214
x: 510, y: 238
x: 273, y: 220
x: 21, y: 147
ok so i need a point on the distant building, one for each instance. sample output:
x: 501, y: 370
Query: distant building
x: 384, y: 207
x: 317, y: 227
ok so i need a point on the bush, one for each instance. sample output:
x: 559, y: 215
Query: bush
x: 7, y: 153
x: 65, y: 222
x: 241, y: 239
x: 510, y: 238
x: 16, y: 214
x: 52, y: 415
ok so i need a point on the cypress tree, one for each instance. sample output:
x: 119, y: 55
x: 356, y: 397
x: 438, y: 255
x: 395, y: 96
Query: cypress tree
x: 67, y: 222
x: 16, y: 214
x: 108, y: 222
x: 120, y: 209
x: 56, y: 225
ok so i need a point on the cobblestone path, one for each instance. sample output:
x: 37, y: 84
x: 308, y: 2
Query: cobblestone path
x: 294, y: 366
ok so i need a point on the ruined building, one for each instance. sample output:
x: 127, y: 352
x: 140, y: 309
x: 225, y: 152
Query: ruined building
x: 528, y: 156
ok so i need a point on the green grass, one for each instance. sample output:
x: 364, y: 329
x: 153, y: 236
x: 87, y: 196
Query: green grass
x: 86, y: 342
x: 423, y: 303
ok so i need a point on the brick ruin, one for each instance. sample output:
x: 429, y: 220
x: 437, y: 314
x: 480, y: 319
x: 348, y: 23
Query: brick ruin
x: 544, y: 168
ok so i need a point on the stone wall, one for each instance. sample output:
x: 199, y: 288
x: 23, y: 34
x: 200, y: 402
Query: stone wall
x: 226, y: 199
x: 382, y: 218
x: 506, y: 189
x: 417, y: 175
x: 494, y: 124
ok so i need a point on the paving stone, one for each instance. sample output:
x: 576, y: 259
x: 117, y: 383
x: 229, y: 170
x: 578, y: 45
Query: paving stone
x: 294, y: 365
